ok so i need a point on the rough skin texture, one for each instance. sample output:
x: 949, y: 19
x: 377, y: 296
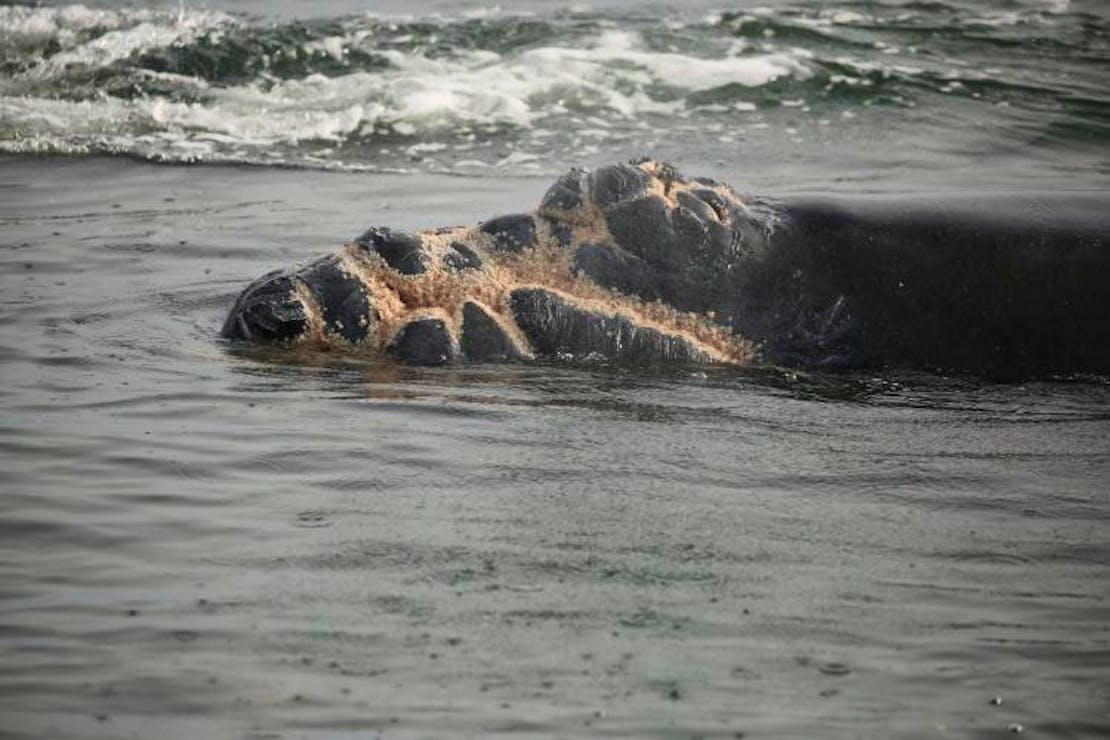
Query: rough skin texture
x: 624, y: 263
x: 636, y: 263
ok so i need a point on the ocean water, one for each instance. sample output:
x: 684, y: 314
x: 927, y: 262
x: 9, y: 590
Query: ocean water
x: 843, y: 92
x: 198, y: 541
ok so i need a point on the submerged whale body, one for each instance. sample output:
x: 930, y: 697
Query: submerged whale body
x: 637, y: 263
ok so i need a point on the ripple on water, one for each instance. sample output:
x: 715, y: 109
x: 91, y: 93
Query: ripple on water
x: 193, y: 537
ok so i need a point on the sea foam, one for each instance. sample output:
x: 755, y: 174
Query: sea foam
x: 611, y: 76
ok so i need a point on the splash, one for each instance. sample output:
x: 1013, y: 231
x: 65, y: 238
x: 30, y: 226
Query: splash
x: 497, y: 92
x: 200, y: 86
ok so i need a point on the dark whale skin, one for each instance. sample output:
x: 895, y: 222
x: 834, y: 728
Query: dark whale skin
x: 1003, y: 285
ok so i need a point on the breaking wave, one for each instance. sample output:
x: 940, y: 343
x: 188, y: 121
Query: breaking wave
x: 502, y: 91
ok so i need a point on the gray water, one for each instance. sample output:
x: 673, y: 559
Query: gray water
x: 993, y: 93
x: 200, y: 541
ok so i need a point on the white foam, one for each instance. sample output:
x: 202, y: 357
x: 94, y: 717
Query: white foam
x: 613, y: 78
x: 118, y: 33
x: 21, y: 21
x: 120, y: 44
x: 621, y: 54
x: 472, y: 89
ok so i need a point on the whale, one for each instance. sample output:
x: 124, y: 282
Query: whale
x: 637, y: 263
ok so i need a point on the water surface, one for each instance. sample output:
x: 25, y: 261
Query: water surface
x: 197, y: 541
x: 998, y: 93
